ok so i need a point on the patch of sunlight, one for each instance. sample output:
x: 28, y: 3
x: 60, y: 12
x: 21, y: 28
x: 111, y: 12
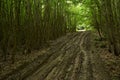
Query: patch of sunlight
x: 69, y: 2
x: 80, y: 30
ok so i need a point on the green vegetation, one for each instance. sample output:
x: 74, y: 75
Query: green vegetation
x: 106, y: 19
x: 80, y: 15
x: 29, y: 24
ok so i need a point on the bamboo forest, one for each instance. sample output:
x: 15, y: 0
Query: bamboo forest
x: 59, y: 39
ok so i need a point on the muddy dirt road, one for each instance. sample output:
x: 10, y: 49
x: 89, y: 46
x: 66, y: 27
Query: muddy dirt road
x: 71, y: 57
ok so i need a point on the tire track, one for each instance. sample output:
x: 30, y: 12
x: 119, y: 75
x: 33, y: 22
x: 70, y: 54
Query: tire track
x: 86, y: 69
x: 68, y: 58
x: 62, y: 51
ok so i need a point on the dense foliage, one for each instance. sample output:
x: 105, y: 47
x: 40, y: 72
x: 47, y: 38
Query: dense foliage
x: 106, y: 19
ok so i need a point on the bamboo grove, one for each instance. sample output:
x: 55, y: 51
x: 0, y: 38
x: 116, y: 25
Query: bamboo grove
x: 106, y: 19
x: 29, y: 24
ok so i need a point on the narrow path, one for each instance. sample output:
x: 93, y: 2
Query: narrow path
x: 68, y: 58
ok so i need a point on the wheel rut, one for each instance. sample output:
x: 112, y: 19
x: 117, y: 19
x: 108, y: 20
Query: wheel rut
x: 68, y: 58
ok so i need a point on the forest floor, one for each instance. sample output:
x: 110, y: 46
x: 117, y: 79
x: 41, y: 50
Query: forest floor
x: 76, y: 56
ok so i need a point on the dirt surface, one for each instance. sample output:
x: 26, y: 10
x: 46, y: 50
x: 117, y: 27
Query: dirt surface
x: 72, y: 57
x: 112, y: 62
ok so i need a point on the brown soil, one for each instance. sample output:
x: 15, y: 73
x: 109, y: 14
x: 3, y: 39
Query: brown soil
x: 72, y: 57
